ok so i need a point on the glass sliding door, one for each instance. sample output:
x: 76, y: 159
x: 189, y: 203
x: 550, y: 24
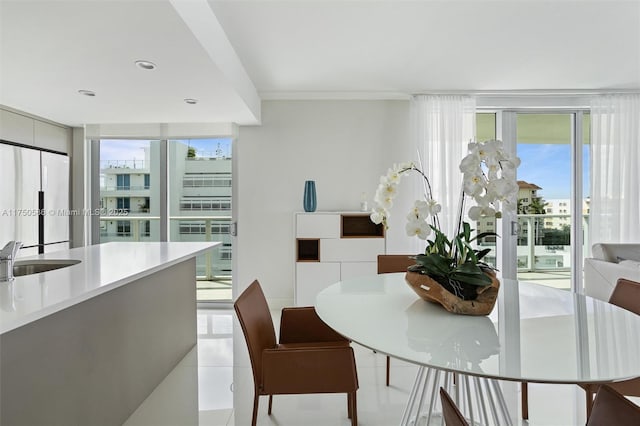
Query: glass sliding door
x: 553, y: 196
x: 200, y: 179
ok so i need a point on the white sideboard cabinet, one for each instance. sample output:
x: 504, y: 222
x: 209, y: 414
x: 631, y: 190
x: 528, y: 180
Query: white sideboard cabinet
x: 333, y: 246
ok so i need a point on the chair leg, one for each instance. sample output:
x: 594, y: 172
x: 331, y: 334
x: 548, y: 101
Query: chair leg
x: 388, y: 368
x: 349, y: 405
x: 589, y: 390
x: 354, y: 409
x: 524, y: 396
x: 256, y: 399
x: 270, y: 401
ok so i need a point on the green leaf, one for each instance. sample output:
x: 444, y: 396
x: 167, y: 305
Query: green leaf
x: 482, y: 235
x: 461, y: 251
x: 472, y: 279
x: 466, y: 231
x: 471, y: 254
x: 469, y: 268
x: 482, y: 253
x: 435, y: 264
x: 470, y: 273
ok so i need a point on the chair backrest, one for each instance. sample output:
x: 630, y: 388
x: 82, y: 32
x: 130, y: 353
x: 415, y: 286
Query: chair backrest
x: 388, y: 263
x: 626, y: 295
x: 611, y: 408
x: 452, y: 416
x: 257, y: 326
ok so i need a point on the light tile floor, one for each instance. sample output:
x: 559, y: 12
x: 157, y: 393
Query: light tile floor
x: 213, y: 386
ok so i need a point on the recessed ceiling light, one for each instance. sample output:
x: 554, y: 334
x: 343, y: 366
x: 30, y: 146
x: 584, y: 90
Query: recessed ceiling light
x: 191, y: 101
x: 87, y: 92
x: 146, y: 65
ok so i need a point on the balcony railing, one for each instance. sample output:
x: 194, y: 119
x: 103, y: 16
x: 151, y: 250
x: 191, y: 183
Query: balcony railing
x: 122, y: 164
x: 139, y: 228
x: 544, y: 242
x: 124, y: 188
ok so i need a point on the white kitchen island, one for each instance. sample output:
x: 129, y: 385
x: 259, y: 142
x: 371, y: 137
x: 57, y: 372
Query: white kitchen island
x: 86, y: 344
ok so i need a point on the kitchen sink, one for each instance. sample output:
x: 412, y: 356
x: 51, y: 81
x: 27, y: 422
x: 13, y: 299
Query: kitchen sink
x: 28, y: 267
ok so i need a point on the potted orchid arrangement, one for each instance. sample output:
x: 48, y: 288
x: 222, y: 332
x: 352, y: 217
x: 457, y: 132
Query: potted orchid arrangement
x: 454, y: 262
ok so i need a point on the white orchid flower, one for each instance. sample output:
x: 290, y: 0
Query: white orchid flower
x: 476, y: 212
x: 472, y: 147
x: 378, y: 215
x: 470, y: 163
x: 407, y: 165
x: 418, y: 228
x: 499, y: 187
x: 421, y: 209
x: 510, y: 163
x: 384, y: 196
x: 434, y: 207
x: 487, y: 150
x: 473, y: 184
x: 493, y: 167
x: 485, y: 200
x: 509, y: 173
x: 386, y: 202
x: 393, y: 176
x: 510, y: 204
x: 489, y: 178
x: 386, y: 190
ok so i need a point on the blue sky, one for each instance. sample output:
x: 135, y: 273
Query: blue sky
x: 211, y: 145
x: 549, y: 167
x: 546, y: 165
x: 117, y: 149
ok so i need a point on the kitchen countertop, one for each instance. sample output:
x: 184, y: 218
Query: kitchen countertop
x: 103, y: 267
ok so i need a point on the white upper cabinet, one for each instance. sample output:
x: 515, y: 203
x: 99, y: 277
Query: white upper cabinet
x: 16, y: 128
x: 50, y: 136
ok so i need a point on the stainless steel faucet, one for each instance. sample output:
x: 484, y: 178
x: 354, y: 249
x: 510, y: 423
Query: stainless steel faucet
x: 7, y: 256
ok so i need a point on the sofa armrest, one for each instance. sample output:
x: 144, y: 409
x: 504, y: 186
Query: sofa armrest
x: 600, y: 277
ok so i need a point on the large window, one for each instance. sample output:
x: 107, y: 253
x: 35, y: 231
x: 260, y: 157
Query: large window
x: 123, y: 228
x: 197, y: 178
x: 123, y: 204
x: 130, y: 205
x: 123, y: 182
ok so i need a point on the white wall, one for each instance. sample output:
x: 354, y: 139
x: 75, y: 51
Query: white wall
x: 343, y: 145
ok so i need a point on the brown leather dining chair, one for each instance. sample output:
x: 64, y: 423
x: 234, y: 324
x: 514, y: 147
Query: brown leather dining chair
x: 309, y: 358
x: 612, y: 408
x: 388, y: 263
x: 626, y: 295
x: 609, y: 408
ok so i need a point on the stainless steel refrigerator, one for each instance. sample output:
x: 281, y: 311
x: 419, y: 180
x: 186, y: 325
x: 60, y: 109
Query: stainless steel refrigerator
x: 34, y: 199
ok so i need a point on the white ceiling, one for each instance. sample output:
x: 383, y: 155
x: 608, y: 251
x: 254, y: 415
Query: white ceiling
x: 231, y: 54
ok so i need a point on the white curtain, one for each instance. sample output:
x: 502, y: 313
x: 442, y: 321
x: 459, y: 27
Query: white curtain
x: 615, y: 168
x: 443, y: 125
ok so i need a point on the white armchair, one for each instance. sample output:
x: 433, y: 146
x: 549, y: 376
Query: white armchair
x: 610, y: 261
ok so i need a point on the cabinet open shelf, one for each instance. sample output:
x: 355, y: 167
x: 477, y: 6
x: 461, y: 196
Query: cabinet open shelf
x: 359, y: 226
x: 308, y: 250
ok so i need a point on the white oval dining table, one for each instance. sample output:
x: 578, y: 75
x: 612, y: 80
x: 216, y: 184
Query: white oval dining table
x: 534, y: 334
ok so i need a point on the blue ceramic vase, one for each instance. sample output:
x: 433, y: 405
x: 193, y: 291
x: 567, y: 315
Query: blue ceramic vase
x: 309, y: 201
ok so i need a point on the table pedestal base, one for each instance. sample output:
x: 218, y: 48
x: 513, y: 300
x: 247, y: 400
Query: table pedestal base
x: 479, y: 399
